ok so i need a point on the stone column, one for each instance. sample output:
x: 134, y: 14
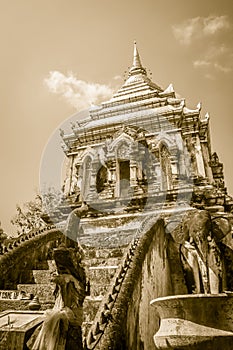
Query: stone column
x: 182, y: 169
x: 133, y: 173
x: 112, y: 166
x: 174, y: 169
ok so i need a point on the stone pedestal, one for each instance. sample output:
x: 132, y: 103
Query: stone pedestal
x: 196, y: 322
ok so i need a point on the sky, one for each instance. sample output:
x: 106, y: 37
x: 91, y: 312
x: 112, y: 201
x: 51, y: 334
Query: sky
x: 60, y: 56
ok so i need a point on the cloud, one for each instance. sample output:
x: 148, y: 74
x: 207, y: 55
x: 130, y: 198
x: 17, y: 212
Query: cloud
x: 213, y: 24
x: 217, y: 59
x: 197, y: 27
x: 201, y: 63
x: 209, y: 76
x: 221, y: 68
x: 218, y: 50
x: 214, y: 65
x: 185, y: 31
x: 214, y: 53
x: 78, y: 93
x: 118, y: 77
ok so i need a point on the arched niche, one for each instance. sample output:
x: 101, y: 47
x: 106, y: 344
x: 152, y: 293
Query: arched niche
x: 101, y: 179
x: 123, y: 168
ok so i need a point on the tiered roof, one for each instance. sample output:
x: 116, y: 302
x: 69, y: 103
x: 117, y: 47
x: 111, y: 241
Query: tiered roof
x: 137, y: 101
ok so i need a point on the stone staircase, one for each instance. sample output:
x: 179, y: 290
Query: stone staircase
x: 43, y: 287
x: 101, y: 265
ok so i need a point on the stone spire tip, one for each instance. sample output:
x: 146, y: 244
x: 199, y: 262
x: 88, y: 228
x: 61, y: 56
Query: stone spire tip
x: 136, y: 68
x: 136, y: 57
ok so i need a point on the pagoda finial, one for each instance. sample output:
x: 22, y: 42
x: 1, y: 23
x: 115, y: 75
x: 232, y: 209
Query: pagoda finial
x: 137, y: 65
x: 136, y: 57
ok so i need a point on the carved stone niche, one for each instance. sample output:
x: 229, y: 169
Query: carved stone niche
x: 123, y: 151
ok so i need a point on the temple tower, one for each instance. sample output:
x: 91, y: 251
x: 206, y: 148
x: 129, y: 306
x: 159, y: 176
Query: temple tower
x: 143, y: 148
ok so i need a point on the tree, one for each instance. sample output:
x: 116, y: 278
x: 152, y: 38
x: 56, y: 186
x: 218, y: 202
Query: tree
x: 28, y: 216
x: 3, y: 237
x: 51, y: 198
x: 35, y: 214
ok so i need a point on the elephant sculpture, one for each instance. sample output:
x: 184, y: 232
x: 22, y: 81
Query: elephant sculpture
x: 199, y: 236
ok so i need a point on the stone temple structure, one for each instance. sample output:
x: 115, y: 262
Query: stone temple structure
x: 143, y: 151
x: 156, y: 231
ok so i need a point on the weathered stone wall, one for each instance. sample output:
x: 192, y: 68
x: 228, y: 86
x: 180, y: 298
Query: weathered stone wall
x: 154, y: 280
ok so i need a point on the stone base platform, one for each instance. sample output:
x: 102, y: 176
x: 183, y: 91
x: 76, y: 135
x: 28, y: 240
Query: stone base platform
x: 16, y: 328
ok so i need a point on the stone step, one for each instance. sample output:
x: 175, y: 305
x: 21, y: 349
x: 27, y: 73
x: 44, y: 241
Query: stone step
x: 13, y: 304
x: 102, y: 274
x: 100, y: 279
x: 99, y: 290
x: 42, y: 290
x: 102, y: 262
x: 102, y: 253
x: 42, y: 276
x: 90, y: 308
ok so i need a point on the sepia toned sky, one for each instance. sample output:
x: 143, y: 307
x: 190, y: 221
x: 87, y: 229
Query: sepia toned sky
x: 60, y: 56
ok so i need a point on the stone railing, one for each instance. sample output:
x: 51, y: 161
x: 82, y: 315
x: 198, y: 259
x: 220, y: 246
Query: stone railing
x: 24, y: 254
x: 23, y: 238
x: 9, y: 294
x: 146, y: 224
